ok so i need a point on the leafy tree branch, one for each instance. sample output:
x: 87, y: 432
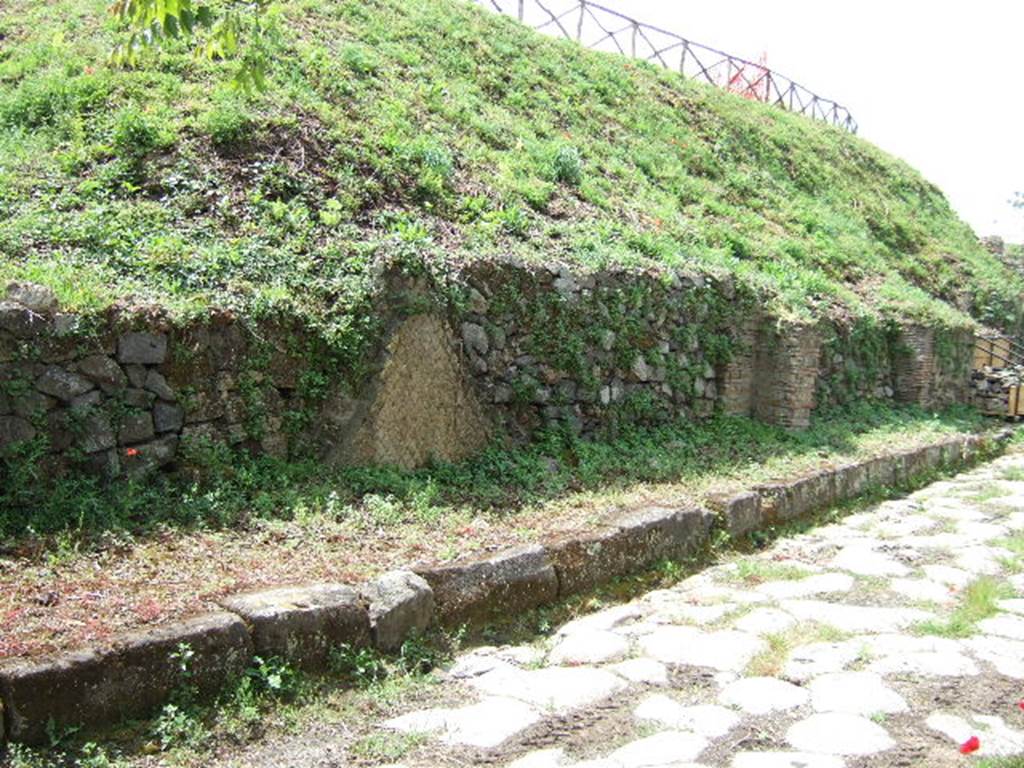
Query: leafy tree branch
x: 233, y: 30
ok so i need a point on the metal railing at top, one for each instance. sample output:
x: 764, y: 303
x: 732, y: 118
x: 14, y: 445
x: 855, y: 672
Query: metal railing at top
x: 595, y: 26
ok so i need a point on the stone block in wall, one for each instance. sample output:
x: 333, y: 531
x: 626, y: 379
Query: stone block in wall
x: 135, y: 427
x: 15, y: 430
x: 96, y: 432
x: 851, y: 481
x: 157, y: 384
x: 142, y: 348
x: 104, y: 371
x: 63, y: 384
x: 148, y: 457
x: 21, y: 322
x: 421, y: 406
x: 168, y: 417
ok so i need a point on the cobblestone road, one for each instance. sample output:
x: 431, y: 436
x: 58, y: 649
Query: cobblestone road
x: 850, y: 645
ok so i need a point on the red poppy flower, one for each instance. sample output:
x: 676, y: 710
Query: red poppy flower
x: 1021, y: 703
x: 131, y: 452
x: 971, y: 745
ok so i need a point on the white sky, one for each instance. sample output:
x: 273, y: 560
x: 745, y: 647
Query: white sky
x: 939, y: 83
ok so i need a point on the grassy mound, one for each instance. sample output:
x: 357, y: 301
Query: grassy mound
x: 432, y: 131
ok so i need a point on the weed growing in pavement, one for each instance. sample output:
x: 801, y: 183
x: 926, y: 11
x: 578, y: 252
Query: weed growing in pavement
x: 752, y: 570
x: 386, y: 747
x: 977, y: 602
x: 1013, y: 474
x: 770, y: 661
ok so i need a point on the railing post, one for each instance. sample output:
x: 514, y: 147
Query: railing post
x: 636, y: 31
x: 579, y: 24
x: 522, y: 9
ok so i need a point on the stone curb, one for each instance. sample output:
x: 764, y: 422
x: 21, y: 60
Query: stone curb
x: 135, y: 674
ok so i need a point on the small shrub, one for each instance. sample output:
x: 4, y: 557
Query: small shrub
x: 227, y: 123
x: 363, y: 666
x: 272, y: 676
x: 177, y: 726
x: 567, y: 166
x: 136, y: 133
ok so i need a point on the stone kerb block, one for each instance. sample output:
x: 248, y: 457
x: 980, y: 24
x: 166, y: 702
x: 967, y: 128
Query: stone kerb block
x: 510, y: 582
x: 789, y: 500
x: 915, y: 464
x: 740, y: 512
x: 851, y: 481
x: 885, y: 471
x: 131, y: 677
x: 628, y: 544
x: 952, y: 452
x: 303, y: 624
x: 401, y: 605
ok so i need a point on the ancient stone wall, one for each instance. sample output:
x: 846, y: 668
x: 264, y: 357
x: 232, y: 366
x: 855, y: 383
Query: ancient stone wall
x: 501, y: 352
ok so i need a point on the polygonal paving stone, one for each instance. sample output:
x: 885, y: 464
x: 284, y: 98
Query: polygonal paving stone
x: 813, y: 659
x: 785, y: 760
x: 1004, y: 626
x: 975, y: 531
x: 1014, y: 605
x: 1014, y: 522
x: 942, y: 542
x: 1007, y: 656
x: 663, y: 749
x: 922, y: 589
x: 554, y: 689
x: 858, y: 693
x: 948, y: 575
x: 995, y: 736
x: 892, y: 644
x: 900, y: 527
x: 589, y: 647
x: 714, y: 594
x: 855, y: 618
x: 822, y: 584
x: 602, y: 620
x: 642, y: 670
x: 484, y: 725
x: 725, y: 650
x: 838, y: 733
x: 705, y: 720
x: 544, y: 758
x: 765, y: 621
x: 925, y: 664
x: 761, y: 695
x: 984, y: 560
x: 864, y: 561
x: 693, y: 614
